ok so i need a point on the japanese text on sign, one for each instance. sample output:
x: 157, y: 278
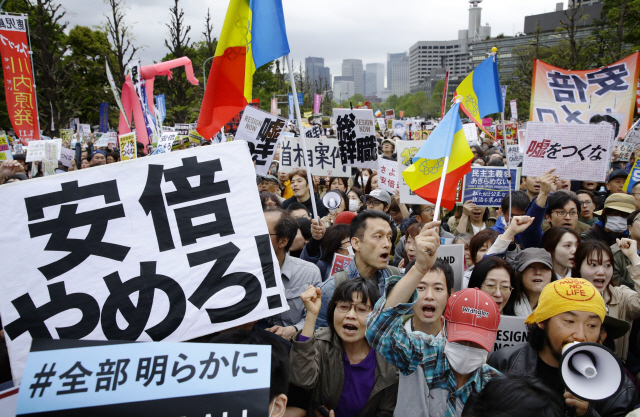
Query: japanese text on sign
x: 388, y: 175
x: 323, y: 156
x: 262, y: 132
x: 357, y: 137
x: 487, y: 186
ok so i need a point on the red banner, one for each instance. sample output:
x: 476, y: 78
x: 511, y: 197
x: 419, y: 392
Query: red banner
x: 18, y: 77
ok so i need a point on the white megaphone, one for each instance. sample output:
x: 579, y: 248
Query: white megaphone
x: 590, y: 371
x: 332, y: 200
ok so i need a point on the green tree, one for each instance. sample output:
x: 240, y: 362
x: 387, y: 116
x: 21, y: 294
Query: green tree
x: 619, y: 29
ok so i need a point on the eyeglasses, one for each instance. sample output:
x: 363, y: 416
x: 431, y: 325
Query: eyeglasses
x: 345, y: 244
x: 491, y: 288
x: 425, y: 210
x: 361, y: 309
x: 372, y: 203
x: 586, y: 203
x: 562, y: 213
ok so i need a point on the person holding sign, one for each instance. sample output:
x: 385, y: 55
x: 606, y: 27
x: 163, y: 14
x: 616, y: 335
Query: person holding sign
x: 569, y: 310
x: 453, y: 366
x: 337, y: 363
x: 302, y: 193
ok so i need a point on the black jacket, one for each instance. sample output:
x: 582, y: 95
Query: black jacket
x: 597, y: 232
x: 522, y: 361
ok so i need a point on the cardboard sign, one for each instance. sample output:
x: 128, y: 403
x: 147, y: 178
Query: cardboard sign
x: 339, y: 263
x: 454, y: 256
x: 135, y: 379
x: 388, y: 175
x: 66, y: 157
x: 166, y: 141
x: 515, y: 155
x: 323, y: 156
x: 262, y: 131
x: 577, y: 152
x: 357, y: 137
x: 487, y: 186
x: 128, y: 148
x: 163, y: 248
x: 511, y: 332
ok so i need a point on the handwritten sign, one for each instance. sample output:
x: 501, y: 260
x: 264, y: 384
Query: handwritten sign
x: 128, y: 146
x: 388, y: 175
x: 515, y: 155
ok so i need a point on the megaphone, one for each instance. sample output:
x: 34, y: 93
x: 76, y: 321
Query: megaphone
x: 590, y: 371
x: 332, y: 200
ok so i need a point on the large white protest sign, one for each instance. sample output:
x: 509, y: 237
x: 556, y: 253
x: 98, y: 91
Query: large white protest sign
x: 166, y: 248
x: 106, y: 139
x: 356, y: 133
x: 166, y: 141
x: 454, y: 256
x: 388, y: 175
x: 576, y: 151
x: 262, y: 132
x: 511, y: 332
x: 323, y: 156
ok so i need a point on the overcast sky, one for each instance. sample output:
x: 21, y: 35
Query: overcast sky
x: 331, y: 29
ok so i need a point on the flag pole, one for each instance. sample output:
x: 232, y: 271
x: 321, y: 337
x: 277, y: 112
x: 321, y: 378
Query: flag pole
x: 506, y: 153
x: 312, y: 194
x: 444, y: 167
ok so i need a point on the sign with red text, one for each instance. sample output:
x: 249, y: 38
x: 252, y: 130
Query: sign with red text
x: 339, y: 263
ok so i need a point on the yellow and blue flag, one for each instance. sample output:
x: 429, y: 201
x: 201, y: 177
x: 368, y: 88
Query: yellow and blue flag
x: 447, y: 140
x: 480, y: 91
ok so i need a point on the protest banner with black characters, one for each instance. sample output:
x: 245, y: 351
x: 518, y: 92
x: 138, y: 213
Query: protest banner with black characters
x: 487, y: 186
x: 164, y: 248
x: 356, y: 133
x: 323, y: 156
x: 262, y: 131
x: 166, y: 141
x: 313, y: 132
x: 73, y: 378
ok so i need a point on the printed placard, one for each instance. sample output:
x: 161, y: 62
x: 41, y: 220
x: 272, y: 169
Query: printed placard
x: 512, y: 131
x: 388, y: 175
x: 5, y: 149
x: 511, y: 332
x: 262, y: 131
x: 356, y: 133
x: 128, y: 149
x: 323, y: 156
x: 339, y: 263
x: 400, y: 129
x: 454, y: 256
x: 487, y: 186
x: 135, y: 379
x: 577, y: 152
x: 163, y: 248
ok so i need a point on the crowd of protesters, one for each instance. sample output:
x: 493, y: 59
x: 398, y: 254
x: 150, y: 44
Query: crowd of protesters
x: 388, y: 335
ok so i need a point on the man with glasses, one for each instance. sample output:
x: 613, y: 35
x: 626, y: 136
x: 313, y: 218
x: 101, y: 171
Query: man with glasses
x: 378, y: 199
x: 563, y: 210
x: 613, y: 219
x: 587, y: 207
x: 621, y: 262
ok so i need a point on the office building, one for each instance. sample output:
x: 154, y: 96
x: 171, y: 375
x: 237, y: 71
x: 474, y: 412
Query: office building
x: 374, y: 79
x: 319, y: 76
x: 343, y: 88
x: 353, y: 68
x: 400, y: 77
x: 391, y: 58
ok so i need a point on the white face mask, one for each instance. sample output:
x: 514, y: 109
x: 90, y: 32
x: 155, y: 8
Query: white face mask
x: 616, y: 224
x: 365, y: 179
x: 350, y: 250
x: 354, y: 205
x: 464, y: 359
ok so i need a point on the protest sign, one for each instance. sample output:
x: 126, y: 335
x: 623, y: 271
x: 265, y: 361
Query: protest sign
x: 135, y: 379
x: 52, y: 152
x: 262, y: 132
x: 389, y: 114
x: 84, y: 130
x: 323, y: 156
x: 313, y: 132
x: 127, y: 242
x: 400, y: 129
x: 487, y: 186
x: 575, y: 97
x: 5, y: 149
x: 405, y: 151
x: 514, y: 109
x: 515, y: 155
x: 388, y: 176
x: 454, y: 256
x: 633, y: 177
x: 471, y: 133
x: 381, y: 124
x: 307, y: 114
x: 339, y: 263
x: 389, y: 124
x: 487, y: 121
x: 9, y: 402
x: 102, y: 140
x: 626, y: 149
x: 18, y: 74
x: 182, y: 128
x: 166, y: 141
x: 67, y: 135
x: 357, y: 137
x: 511, y: 332
x: 633, y: 136
x: 522, y: 137
x: 104, y: 118
x: 512, y: 131
x: 36, y: 150
x: 195, y: 138
x: 577, y: 152
x: 128, y: 148
x: 161, y: 106
x: 66, y: 156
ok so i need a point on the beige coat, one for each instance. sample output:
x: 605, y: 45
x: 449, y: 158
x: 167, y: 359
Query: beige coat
x: 624, y: 304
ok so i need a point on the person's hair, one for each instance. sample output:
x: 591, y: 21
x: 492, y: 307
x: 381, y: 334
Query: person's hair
x: 561, y: 198
x: 632, y: 216
x: 358, y: 192
x: 299, y: 172
x: 358, y: 177
x: 394, y: 207
x: 495, y: 162
x: 305, y: 227
x: 359, y: 223
x: 279, y: 356
x: 264, y: 196
x: 464, y: 237
x: 114, y: 154
x: 368, y: 288
x: 591, y: 249
x: 587, y: 192
x: 519, y: 200
x: 332, y: 241
x: 537, y: 335
x: 486, y: 265
x: 479, y: 159
x: 598, y: 118
x: 343, y: 180
x: 412, y: 232
x: 445, y: 268
x: 486, y: 235
x: 286, y: 226
x: 521, y: 396
x: 479, y: 150
x: 552, y: 237
x: 367, y: 187
x: 297, y: 206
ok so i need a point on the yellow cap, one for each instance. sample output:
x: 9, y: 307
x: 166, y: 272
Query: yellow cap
x: 494, y: 49
x: 567, y: 294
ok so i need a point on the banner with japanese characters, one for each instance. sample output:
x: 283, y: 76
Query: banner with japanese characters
x: 165, y: 248
x: 313, y: 132
x: 512, y: 131
x: 356, y: 133
x: 514, y: 109
x: 5, y: 149
x: 67, y: 136
x: 388, y: 175
x: 577, y: 152
x: 577, y: 97
x: 166, y: 141
x: 515, y: 155
x: 323, y: 156
x: 405, y: 151
x: 128, y: 147
x: 19, y: 85
x: 78, y: 378
x: 487, y: 186
x: 262, y: 132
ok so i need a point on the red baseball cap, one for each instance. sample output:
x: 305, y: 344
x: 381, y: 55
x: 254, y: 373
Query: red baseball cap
x: 344, y: 218
x: 471, y: 315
